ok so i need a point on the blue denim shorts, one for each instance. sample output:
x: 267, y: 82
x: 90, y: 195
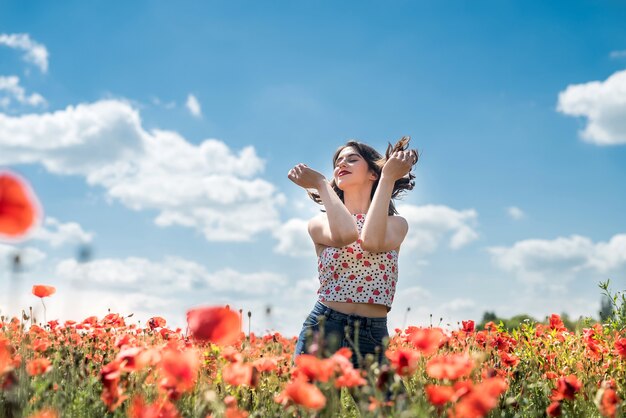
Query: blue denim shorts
x: 328, y: 330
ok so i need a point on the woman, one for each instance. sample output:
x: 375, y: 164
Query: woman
x: 357, y: 239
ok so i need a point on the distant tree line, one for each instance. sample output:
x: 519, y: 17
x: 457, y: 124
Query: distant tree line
x: 612, y: 309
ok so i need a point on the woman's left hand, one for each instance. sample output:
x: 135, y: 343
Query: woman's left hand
x: 399, y: 164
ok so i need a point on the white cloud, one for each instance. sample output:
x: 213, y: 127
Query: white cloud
x: 11, y: 85
x: 193, y: 105
x: 431, y: 224
x: 35, y: 52
x: 603, y: 103
x: 172, y: 275
x: 293, y: 239
x: 516, y: 213
x: 536, y: 260
x: 57, y: 234
x: 458, y: 305
x: 206, y: 186
x: 618, y: 54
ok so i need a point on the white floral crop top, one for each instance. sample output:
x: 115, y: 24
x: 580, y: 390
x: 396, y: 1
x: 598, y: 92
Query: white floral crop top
x: 350, y: 274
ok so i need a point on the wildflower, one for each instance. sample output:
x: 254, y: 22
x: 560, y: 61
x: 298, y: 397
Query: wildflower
x: 620, y: 347
x: 238, y: 374
x: 112, y: 395
x: 179, y: 369
x: 156, y: 322
x: 607, y: 400
x: 19, y: 208
x: 556, y: 323
x: 427, y: 340
x: 314, y: 368
x: 450, y: 366
x: 468, y: 326
x: 158, y: 409
x: 350, y: 378
x: 303, y: 393
x: 403, y: 361
x: 554, y: 409
x: 38, y: 366
x: 218, y: 325
x: 439, y: 395
x: 566, y: 388
x: 265, y: 364
x: 42, y: 291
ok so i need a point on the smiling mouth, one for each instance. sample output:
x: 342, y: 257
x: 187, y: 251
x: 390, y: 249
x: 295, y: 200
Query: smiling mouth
x: 343, y: 173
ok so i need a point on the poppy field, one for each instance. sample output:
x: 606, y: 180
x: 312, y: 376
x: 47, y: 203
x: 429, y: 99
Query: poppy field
x: 108, y: 366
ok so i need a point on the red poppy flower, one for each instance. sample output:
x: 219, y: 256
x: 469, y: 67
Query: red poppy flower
x: 156, y: 322
x: 427, y: 340
x: 159, y: 409
x: 620, y: 347
x: 450, y: 366
x: 180, y: 369
x: 314, y: 368
x: 609, y: 402
x: 439, y: 395
x: 305, y: 394
x: 566, y: 388
x: 554, y: 409
x: 238, y: 374
x: 19, y: 208
x: 43, y: 291
x: 403, y: 361
x: 217, y: 324
x: 38, y: 366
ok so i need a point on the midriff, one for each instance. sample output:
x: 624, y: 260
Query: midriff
x: 371, y: 310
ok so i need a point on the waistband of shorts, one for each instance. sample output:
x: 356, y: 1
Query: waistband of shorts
x: 330, y: 313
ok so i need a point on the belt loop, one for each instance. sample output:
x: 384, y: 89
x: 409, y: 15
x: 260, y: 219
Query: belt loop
x: 369, y: 322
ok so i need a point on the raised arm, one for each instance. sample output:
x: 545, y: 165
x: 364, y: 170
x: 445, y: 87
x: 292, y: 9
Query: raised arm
x: 380, y: 232
x: 336, y: 229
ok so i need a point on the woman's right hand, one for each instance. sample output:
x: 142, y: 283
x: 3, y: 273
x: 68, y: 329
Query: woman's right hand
x: 306, y: 177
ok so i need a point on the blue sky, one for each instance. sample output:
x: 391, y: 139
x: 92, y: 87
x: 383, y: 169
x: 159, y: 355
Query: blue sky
x: 160, y: 134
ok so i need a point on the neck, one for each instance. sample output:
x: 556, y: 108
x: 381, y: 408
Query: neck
x: 357, y: 201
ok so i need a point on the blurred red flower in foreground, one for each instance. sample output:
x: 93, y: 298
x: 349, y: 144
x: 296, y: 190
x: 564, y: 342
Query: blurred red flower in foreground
x: 450, y: 366
x: 38, y: 366
x: 43, y: 291
x: 216, y: 324
x: 303, y: 393
x: 19, y: 208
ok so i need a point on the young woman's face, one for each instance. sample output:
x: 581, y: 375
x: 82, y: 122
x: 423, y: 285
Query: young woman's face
x: 351, y: 169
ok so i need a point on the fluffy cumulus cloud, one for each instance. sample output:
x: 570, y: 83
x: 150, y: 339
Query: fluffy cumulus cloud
x: 11, y: 90
x: 56, y: 233
x: 207, y: 186
x: 603, y: 103
x: 172, y: 276
x: 293, y: 239
x: 537, y: 260
x: 34, y: 52
x: 193, y: 105
x: 171, y: 286
x: 429, y: 225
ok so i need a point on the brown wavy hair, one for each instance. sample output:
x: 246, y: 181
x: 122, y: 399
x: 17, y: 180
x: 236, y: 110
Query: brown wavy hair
x: 376, y: 161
